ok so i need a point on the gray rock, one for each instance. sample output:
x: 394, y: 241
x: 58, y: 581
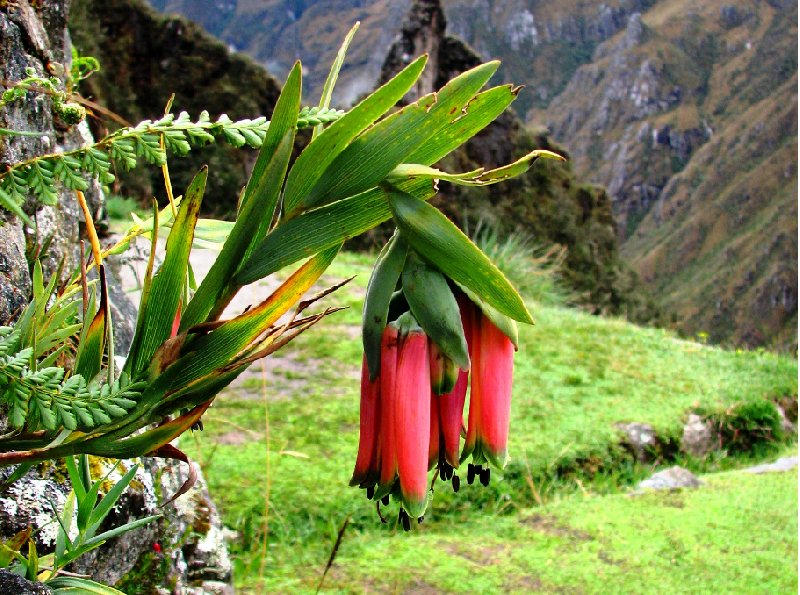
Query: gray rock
x: 699, y: 437
x: 671, y: 479
x: 640, y: 437
x: 11, y: 584
x: 781, y: 465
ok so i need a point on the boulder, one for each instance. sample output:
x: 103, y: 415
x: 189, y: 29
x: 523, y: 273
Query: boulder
x: 670, y: 479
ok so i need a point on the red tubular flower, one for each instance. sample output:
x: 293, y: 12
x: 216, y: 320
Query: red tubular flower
x: 433, y: 449
x: 412, y: 421
x: 451, y: 405
x: 492, y: 356
x: 387, y: 441
x: 451, y: 418
x: 366, y: 471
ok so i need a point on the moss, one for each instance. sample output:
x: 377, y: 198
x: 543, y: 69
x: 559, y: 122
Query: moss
x: 151, y: 571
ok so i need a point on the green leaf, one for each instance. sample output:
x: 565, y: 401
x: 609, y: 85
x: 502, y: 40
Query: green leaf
x: 440, y: 242
x: 75, y: 477
x: 69, y: 585
x: 259, y: 202
x: 504, y: 324
x: 86, y: 505
x: 107, y: 502
x: 67, y: 169
x: 333, y: 75
x: 370, y: 157
x: 322, y: 228
x: 481, y: 110
x: 156, y: 317
x: 10, y: 204
x: 320, y: 153
x: 434, y: 306
x: 382, y: 284
x: 63, y: 542
x: 206, y: 353
x: 99, y: 540
x: 93, y: 337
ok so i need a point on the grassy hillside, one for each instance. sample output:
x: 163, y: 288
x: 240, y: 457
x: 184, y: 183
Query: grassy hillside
x: 278, y: 450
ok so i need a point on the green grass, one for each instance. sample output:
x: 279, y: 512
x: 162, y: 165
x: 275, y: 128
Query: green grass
x: 576, y: 376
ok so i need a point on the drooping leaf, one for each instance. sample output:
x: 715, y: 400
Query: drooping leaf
x: 382, y: 284
x: 440, y: 242
x: 321, y: 152
x: 434, y: 306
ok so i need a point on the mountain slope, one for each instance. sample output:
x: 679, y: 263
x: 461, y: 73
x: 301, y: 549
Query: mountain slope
x: 689, y: 117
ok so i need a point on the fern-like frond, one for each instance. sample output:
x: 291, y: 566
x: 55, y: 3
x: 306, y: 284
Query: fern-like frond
x: 124, y: 147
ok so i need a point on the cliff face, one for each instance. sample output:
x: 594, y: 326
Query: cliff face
x: 689, y: 117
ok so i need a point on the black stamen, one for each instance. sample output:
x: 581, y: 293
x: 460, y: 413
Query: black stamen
x: 456, y: 483
x: 405, y: 520
x: 370, y: 492
x: 485, y: 477
x: 420, y: 519
x: 470, y: 473
x: 385, y: 500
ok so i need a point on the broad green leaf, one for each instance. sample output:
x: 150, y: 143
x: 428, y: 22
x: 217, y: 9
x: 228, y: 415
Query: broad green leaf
x: 381, y: 286
x: 321, y: 152
x: 258, y: 205
x: 375, y: 153
x: 156, y: 316
x: 69, y: 585
x: 322, y: 228
x: 483, y: 109
x: 445, y: 246
x: 504, y: 324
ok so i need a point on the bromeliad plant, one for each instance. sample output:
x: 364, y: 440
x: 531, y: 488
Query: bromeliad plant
x: 364, y: 168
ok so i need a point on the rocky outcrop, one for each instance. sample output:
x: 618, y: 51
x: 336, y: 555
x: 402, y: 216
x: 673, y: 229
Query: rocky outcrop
x: 192, y: 551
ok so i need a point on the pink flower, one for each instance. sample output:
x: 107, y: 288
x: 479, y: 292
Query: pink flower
x: 492, y: 356
x: 412, y: 421
x: 367, y: 471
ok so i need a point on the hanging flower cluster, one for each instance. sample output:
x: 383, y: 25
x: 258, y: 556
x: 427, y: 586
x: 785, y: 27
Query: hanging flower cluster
x: 422, y: 355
